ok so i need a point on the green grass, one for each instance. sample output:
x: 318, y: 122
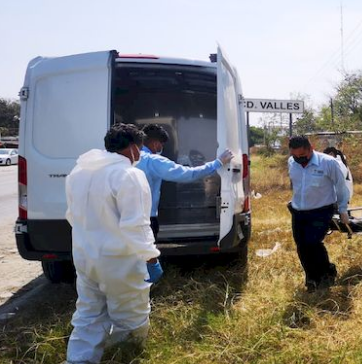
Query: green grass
x: 225, y: 314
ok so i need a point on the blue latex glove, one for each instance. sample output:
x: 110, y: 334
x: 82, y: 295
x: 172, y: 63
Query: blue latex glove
x: 155, y: 271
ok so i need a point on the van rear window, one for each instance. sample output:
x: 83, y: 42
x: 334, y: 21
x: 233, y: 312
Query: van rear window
x: 71, y: 112
x: 181, y: 98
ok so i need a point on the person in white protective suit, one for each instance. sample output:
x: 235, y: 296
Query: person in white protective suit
x: 109, y: 204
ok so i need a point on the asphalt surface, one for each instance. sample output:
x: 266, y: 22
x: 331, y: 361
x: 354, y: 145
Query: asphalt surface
x: 8, y: 194
x: 20, y: 279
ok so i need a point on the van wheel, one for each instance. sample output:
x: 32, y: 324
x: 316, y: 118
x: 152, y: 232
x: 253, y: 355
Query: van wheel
x: 8, y: 162
x: 57, y: 272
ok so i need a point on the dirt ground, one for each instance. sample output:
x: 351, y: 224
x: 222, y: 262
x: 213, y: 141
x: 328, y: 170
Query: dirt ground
x: 16, y: 273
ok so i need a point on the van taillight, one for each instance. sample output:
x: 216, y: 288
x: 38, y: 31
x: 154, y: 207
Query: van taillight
x: 245, y: 165
x: 23, y: 189
x: 246, y: 206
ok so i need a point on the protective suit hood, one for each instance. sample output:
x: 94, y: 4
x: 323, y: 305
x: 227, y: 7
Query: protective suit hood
x: 96, y: 159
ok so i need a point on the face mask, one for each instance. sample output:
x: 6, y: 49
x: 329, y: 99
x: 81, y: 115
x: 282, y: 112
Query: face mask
x: 301, y: 160
x: 160, y: 151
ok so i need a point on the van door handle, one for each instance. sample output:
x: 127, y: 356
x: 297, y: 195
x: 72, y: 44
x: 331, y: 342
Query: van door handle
x: 236, y: 168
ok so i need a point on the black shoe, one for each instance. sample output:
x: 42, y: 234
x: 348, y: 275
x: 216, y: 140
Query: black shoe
x: 311, y: 286
x: 329, y: 279
x: 326, y: 283
x: 332, y: 271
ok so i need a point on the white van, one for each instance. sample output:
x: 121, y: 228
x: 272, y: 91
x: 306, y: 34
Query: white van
x: 68, y: 104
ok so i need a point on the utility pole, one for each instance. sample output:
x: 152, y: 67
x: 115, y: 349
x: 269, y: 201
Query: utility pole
x: 342, y: 45
x: 332, y: 111
x: 248, y: 127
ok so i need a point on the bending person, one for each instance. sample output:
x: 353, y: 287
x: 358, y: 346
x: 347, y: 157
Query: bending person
x: 158, y: 168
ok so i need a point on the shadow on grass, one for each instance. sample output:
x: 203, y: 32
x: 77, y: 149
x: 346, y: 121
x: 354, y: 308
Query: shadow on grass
x: 41, y: 323
x: 127, y: 352
x: 336, y: 301
x: 41, y: 314
x: 351, y: 277
x: 208, y: 284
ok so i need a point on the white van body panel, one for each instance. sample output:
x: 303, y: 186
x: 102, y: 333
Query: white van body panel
x: 229, y: 134
x: 69, y: 103
x: 67, y: 113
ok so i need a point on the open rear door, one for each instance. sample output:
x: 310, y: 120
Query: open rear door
x: 229, y: 136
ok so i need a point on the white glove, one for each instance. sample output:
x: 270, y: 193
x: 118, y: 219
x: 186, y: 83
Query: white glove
x: 344, y: 217
x: 226, y: 156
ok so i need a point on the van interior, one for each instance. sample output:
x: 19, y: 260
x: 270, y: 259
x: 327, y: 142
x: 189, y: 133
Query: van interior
x: 183, y: 99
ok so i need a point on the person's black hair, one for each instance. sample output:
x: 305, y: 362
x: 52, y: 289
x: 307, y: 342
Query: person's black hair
x: 330, y: 150
x: 299, y: 141
x: 155, y: 132
x: 120, y: 136
x: 336, y: 152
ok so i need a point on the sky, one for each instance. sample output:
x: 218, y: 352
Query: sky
x: 281, y: 48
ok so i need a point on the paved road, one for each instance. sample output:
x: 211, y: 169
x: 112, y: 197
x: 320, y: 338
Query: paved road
x: 18, y: 276
x: 8, y: 194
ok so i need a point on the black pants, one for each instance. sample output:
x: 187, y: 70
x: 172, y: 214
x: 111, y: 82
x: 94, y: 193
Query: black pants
x: 154, y: 226
x: 309, y: 229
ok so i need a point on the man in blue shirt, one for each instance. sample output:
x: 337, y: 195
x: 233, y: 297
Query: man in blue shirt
x: 158, y: 168
x: 318, y: 184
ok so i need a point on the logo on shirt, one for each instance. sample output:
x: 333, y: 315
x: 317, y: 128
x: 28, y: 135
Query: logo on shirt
x: 317, y: 173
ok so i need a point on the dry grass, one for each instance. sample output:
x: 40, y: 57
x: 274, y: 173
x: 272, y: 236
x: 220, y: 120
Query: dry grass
x: 224, y: 314
x: 269, y: 173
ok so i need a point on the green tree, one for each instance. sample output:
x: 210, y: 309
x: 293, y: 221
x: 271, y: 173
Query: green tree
x: 348, y: 102
x: 256, y: 135
x: 305, y: 123
x: 324, y: 119
x: 9, y: 117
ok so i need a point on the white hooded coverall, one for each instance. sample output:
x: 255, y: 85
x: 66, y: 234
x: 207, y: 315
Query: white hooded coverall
x: 109, y: 204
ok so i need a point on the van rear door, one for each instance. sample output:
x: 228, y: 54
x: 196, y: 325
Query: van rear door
x: 67, y: 113
x: 229, y: 136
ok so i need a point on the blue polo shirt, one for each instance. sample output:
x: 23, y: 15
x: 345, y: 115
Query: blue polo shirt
x: 320, y: 183
x: 158, y: 168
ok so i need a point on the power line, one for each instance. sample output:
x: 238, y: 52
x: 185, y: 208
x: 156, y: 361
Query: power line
x: 348, y: 45
x: 342, y: 51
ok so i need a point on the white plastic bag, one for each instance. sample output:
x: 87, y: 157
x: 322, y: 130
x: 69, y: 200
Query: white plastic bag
x: 266, y: 252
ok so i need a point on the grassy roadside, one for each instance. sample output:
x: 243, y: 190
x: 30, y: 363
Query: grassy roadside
x: 224, y: 314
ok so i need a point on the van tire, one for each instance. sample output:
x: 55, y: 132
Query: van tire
x: 59, y: 271
x: 8, y: 162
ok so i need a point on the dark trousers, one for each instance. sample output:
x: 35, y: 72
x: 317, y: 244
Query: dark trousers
x: 154, y: 226
x: 309, y: 229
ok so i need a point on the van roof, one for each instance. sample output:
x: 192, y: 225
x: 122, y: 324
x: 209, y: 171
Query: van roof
x: 146, y: 58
